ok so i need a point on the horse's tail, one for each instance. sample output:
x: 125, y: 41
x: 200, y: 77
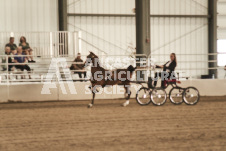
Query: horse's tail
x: 131, y: 69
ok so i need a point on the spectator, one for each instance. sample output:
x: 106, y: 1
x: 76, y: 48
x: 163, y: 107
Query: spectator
x: 79, y: 66
x: 26, y: 49
x: 10, y: 60
x: 11, y: 44
x: 22, y: 60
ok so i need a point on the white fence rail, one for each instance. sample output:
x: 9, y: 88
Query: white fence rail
x: 40, y: 69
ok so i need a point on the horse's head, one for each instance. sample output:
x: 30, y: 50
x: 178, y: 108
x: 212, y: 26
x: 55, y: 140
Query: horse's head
x: 91, y: 58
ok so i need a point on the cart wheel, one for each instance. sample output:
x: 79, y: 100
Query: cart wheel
x: 158, y: 96
x: 191, y: 96
x: 176, y: 95
x: 143, y: 96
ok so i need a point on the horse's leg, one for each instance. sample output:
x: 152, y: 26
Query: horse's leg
x: 91, y: 104
x: 94, y: 93
x: 125, y: 94
x: 128, y: 92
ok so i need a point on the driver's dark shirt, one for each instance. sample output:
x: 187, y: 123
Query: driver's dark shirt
x: 80, y: 66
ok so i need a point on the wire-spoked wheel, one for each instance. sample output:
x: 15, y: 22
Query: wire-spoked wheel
x: 158, y: 96
x: 191, y: 96
x: 176, y: 95
x: 143, y: 96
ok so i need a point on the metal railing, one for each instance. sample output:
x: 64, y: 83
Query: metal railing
x: 54, y: 44
x: 193, y: 65
x: 41, y: 68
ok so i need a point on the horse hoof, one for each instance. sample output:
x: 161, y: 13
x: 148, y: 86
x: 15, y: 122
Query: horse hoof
x: 125, y: 104
x: 90, y: 105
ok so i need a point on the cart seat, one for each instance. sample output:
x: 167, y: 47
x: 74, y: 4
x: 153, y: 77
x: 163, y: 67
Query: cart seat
x: 171, y: 81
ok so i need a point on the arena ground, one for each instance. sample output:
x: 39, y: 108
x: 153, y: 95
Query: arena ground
x: 57, y: 126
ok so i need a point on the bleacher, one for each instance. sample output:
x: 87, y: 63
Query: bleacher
x: 45, y: 45
x: 39, y: 71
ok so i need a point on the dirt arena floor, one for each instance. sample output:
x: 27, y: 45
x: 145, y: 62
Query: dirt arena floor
x: 65, y: 126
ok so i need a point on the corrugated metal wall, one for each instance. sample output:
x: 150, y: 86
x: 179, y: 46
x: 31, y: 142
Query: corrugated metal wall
x: 222, y: 32
x: 28, y: 15
x: 185, y: 36
x: 109, y: 34
x: 222, y: 19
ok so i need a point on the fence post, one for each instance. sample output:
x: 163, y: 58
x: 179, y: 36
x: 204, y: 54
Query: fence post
x: 51, y: 43
x: 80, y: 41
x: 7, y: 74
x: 76, y: 43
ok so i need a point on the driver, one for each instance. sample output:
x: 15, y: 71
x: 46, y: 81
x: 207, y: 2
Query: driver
x: 168, y: 70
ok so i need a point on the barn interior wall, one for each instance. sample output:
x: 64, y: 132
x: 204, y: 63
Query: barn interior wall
x: 221, y: 35
x: 222, y: 19
x: 187, y: 37
x: 28, y: 15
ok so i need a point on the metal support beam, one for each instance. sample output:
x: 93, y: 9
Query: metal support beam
x: 212, y: 35
x: 143, y: 45
x: 143, y: 27
x: 131, y: 15
x: 62, y: 11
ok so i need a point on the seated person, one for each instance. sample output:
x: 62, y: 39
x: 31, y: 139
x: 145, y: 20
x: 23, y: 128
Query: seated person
x: 26, y: 49
x: 11, y: 44
x: 78, y: 66
x: 22, y: 60
x: 168, y: 69
x: 7, y: 52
